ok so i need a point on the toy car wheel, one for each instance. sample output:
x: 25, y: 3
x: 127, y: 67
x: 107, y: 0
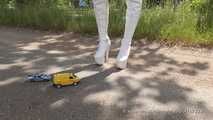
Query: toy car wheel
x: 75, y: 84
x: 58, y: 86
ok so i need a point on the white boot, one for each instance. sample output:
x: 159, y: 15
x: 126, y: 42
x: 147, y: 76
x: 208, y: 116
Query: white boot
x: 102, y: 54
x: 132, y: 18
x: 101, y: 8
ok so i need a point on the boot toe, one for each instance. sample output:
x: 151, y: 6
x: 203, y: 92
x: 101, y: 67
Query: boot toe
x: 121, y: 64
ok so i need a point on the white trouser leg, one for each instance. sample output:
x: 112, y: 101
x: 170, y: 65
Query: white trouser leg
x: 132, y: 18
x: 101, y: 8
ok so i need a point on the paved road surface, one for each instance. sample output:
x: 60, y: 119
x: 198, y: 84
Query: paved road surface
x: 161, y: 83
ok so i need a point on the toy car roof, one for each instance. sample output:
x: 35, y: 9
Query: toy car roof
x: 59, y: 74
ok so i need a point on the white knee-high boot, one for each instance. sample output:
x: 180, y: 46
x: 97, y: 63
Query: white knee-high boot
x: 132, y: 18
x: 101, y: 8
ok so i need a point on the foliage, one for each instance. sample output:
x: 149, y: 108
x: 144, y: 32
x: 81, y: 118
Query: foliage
x: 205, y: 16
x: 191, y: 21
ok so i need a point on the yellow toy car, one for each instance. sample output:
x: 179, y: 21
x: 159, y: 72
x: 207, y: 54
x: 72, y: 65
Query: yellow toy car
x: 64, y: 79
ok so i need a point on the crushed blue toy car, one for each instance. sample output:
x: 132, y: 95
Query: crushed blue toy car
x: 39, y: 77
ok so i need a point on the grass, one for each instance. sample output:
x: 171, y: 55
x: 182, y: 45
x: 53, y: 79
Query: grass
x: 155, y: 24
x: 49, y: 19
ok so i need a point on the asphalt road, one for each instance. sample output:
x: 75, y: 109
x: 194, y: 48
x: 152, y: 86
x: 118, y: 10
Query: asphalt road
x: 161, y: 83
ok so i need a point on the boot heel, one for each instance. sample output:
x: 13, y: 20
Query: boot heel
x: 107, y: 54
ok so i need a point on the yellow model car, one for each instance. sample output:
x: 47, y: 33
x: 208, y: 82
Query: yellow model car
x: 64, y: 79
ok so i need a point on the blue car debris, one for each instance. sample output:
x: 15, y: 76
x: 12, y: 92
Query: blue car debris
x: 39, y: 77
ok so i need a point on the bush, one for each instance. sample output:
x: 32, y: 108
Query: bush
x: 205, y: 16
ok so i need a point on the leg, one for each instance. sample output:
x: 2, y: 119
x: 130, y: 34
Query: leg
x: 132, y: 18
x: 101, y: 8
